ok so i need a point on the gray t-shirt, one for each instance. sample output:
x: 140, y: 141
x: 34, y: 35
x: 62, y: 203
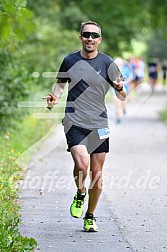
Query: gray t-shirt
x: 88, y: 82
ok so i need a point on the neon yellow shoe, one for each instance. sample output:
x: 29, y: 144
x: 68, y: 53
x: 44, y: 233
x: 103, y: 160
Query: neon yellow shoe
x: 76, y: 208
x: 90, y: 224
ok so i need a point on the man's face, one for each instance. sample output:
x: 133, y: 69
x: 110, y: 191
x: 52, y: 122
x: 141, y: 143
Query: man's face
x: 90, y: 44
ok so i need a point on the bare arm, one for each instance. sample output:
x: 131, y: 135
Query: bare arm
x: 121, y: 95
x: 59, y: 88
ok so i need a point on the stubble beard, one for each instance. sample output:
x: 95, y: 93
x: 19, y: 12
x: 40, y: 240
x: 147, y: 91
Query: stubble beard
x: 89, y: 50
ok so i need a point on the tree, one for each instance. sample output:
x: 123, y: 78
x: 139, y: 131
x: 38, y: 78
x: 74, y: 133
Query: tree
x: 15, y: 27
x: 123, y: 21
x: 15, y: 24
x: 157, y: 45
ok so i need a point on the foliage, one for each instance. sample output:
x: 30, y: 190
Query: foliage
x: 15, y: 27
x: 10, y: 150
x: 122, y: 21
x: 118, y: 20
x: 10, y: 237
x: 46, y: 11
x: 48, y: 48
x: 15, y: 23
x: 158, y: 18
x: 157, y: 45
x: 14, y: 85
x: 40, y: 50
x: 72, y: 16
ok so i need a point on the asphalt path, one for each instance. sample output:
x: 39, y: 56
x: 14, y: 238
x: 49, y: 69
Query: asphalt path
x: 132, y: 211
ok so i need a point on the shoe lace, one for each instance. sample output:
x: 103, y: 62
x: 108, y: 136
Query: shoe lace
x: 90, y: 221
x: 79, y: 203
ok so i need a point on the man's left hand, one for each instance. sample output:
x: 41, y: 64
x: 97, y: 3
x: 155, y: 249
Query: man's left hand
x: 118, y: 82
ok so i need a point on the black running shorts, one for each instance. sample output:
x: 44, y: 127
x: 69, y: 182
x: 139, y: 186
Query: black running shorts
x: 90, y: 138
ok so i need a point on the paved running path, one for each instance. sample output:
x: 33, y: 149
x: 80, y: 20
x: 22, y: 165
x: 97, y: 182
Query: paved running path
x: 132, y: 211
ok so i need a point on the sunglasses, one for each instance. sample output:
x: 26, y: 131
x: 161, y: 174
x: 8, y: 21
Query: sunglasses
x: 94, y: 35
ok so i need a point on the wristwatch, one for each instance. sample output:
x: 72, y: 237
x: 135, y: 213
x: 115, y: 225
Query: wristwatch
x: 121, y: 89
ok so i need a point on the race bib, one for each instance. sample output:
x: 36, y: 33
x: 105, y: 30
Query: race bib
x: 104, y: 133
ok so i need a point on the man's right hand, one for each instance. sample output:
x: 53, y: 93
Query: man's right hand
x: 51, y: 100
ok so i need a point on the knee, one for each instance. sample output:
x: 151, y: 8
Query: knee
x: 81, y: 166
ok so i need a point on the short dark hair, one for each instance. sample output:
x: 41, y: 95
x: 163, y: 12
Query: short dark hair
x: 89, y: 23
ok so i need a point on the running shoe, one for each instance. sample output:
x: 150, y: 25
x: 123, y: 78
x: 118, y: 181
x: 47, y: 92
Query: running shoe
x: 90, y: 224
x: 76, y: 208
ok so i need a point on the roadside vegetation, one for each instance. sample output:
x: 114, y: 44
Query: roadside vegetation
x: 163, y: 115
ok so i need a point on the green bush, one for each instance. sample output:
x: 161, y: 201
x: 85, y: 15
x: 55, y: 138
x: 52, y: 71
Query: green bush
x: 15, y: 85
x: 10, y: 237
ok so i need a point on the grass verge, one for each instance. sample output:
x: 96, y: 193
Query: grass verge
x: 12, y: 144
x: 163, y: 115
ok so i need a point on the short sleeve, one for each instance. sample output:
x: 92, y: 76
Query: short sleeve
x: 63, y: 72
x: 113, y: 72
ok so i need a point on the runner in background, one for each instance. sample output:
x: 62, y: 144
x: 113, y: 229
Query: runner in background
x: 164, y: 71
x: 138, y: 67
x: 153, y: 68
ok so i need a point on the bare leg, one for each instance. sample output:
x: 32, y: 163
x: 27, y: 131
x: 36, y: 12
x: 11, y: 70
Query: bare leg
x: 96, y: 164
x: 81, y: 163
